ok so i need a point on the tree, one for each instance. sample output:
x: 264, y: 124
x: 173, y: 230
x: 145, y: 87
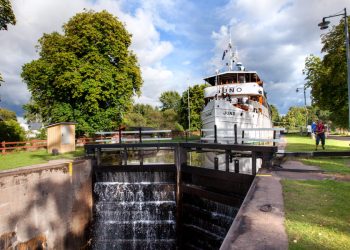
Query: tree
x: 6, y: 17
x: 10, y: 129
x: 86, y: 75
x: 295, y: 118
x: 275, y: 114
x: 7, y: 115
x: 196, y: 107
x: 6, y: 14
x: 328, y: 76
x: 170, y: 100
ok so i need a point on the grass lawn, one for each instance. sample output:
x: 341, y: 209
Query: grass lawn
x: 339, y: 165
x: 26, y: 158
x: 298, y: 143
x: 317, y: 214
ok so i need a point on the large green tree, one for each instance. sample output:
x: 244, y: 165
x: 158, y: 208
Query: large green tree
x: 170, y: 100
x: 327, y: 77
x: 87, y: 74
x: 295, y: 118
x: 196, y: 100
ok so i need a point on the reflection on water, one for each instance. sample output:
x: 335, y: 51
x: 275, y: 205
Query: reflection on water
x: 166, y: 156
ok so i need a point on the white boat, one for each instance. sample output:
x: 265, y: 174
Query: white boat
x: 236, y: 96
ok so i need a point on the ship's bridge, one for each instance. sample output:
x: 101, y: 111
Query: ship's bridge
x: 248, y: 89
x: 231, y: 77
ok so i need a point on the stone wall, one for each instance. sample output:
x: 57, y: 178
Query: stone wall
x: 46, y: 206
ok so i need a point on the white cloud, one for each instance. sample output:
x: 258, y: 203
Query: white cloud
x: 36, y: 17
x: 274, y: 37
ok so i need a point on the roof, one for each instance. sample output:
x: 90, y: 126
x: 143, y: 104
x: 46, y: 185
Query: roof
x: 61, y: 123
x: 229, y: 75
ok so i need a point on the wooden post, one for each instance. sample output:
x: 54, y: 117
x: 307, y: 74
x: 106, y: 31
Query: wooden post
x: 253, y: 163
x: 235, y: 130
x: 242, y: 136
x: 236, y: 166
x: 180, y: 161
x: 120, y: 135
x: 227, y: 160
x: 274, y: 137
x: 215, y: 134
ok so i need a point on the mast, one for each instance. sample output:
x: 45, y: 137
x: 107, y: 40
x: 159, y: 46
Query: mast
x: 231, y: 53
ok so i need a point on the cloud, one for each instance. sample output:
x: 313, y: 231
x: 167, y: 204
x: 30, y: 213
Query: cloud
x: 36, y: 17
x: 274, y: 37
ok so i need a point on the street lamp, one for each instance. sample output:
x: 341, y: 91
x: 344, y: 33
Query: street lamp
x: 324, y: 25
x: 306, y: 117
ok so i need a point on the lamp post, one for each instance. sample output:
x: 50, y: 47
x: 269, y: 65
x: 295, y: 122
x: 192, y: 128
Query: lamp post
x: 306, y: 117
x: 324, y: 25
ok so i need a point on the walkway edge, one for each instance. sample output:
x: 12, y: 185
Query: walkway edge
x: 253, y: 228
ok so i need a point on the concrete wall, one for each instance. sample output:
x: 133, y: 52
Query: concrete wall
x: 48, y: 205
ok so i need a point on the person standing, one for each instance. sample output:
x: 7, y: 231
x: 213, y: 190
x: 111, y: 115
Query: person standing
x: 320, y: 134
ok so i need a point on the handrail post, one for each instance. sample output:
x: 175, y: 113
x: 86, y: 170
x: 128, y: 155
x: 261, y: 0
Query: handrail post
x: 253, y: 163
x: 236, y: 163
x: 120, y: 135
x: 227, y: 160
x: 235, y: 130
x: 140, y: 135
x: 216, y: 163
x: 242, y: 136
x: 215, y: 134
x: 274, y: 137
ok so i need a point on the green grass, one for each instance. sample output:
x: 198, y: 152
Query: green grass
x: 298, y: 143
x: 338, y: 165
x: 317, y: 214
x: 26, y: 158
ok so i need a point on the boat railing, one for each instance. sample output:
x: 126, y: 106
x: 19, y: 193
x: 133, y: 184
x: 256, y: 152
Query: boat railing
x: 242, y: 135
x: 133, y: 136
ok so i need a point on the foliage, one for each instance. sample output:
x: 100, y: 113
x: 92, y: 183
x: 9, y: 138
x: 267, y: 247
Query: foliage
x: 170, y: 100
x: 6, y: 14
x: 27, y: 158
x: 295, y: 118
x: 298, y: 143
x: 317, y: 214
x: 144, y: 115
x: 328, y: 76
x: 6, y: 17
x: 7, y: 115
x: 196, y: 107
x: 10, y: 130
x: 85, y: 75
x: 275, y: 114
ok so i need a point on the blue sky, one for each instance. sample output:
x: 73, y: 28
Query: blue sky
x: 180, y: 42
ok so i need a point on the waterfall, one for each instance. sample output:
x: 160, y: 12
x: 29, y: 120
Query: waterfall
x: 134, y: 210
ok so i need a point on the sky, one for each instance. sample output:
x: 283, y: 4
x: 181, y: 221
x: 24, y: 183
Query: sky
x: 179, y: 42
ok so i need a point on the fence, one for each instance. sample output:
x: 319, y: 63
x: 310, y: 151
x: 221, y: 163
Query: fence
x: 13, y: 146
